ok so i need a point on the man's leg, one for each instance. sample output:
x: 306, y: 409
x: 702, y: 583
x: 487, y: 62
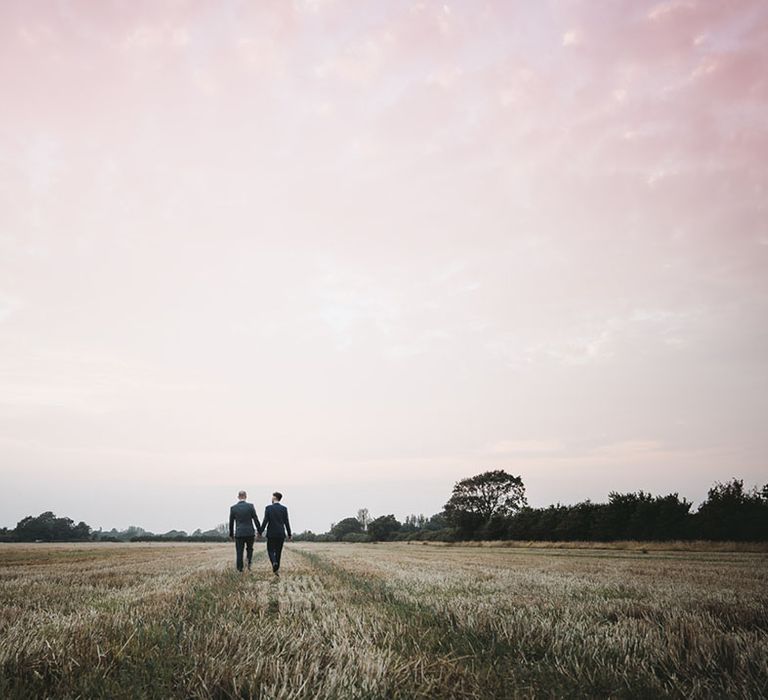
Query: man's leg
x: 278, y: 550
x: 249, y: 549
x: 239, y: 544
x: 271, y: 550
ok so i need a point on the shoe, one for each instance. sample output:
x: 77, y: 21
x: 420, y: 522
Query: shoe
x: 275, y: 567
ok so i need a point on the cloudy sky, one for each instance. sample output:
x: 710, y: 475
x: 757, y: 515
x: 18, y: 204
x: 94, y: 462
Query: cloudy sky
x: 359, y: 250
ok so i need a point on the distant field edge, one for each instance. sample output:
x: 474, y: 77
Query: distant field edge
x: 628, y: 545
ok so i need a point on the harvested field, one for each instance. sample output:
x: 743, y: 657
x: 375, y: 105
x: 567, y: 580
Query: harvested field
x: 381, y: 621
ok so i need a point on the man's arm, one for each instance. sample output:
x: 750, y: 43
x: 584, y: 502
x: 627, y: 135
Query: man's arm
x: 256, y: 519
x: 287, y: 525
x: 231, y: 523
x: 264, y: 522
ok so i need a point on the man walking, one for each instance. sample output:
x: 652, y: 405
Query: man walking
x: 244, y: 514
x: 277, y: 526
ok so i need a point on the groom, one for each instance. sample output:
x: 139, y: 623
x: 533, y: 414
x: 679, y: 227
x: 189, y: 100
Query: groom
x: 244, y: 514
x: 276, y: 524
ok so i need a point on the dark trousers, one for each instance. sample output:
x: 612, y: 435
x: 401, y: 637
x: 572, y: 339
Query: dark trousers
x: 275, y: 549
x: 241, y: 542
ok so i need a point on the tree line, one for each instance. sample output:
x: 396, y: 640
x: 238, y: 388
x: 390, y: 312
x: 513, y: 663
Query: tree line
x: 491, y: 506
x: 47, y: 527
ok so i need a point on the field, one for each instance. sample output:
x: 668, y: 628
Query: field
x: 381, y: 621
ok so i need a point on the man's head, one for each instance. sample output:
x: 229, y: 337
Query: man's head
x: 277, y: 497
x: 242, y: 495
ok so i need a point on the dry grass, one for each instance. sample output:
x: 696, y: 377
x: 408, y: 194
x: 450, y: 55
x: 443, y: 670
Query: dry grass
x: 381, y: 621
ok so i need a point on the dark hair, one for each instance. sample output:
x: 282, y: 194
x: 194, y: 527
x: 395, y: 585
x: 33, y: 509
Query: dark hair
x: 278, y: 495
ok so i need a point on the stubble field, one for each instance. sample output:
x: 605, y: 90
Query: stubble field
x: 381, y: 621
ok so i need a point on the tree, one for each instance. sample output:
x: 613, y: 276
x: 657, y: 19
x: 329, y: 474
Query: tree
x: 671, y: 517
x: 81, y: 531
x: 356, y: 537
x: 134, y: 531
x: 345, y: 527
x: 47, y: 526
x: 437, y: 522
x: 576, y: 523
x: 363, y: 517
x: 383, y: 528
x: 171, y: 534
x: 30, y: 528
x: 732, y: 512
x: 522, y: 524
x: 477, y: 500
x: 616, y: 519
x: 414, y: 523
x: 215, y: 533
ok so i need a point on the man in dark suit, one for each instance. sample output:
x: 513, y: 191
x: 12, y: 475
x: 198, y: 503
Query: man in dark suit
x: 244, y: 514
x: 277, y: 526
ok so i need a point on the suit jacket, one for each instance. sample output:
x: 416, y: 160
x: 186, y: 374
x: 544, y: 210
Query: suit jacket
x: 243, y: 513
x: 276, y: 521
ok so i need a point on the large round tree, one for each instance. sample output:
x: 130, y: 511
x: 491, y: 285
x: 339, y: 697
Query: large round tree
x: 478, y: 500
x: 383, y: 528
x: 345, y: 527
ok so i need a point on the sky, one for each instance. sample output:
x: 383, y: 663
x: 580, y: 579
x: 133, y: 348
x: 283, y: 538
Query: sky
x: 356, y: 251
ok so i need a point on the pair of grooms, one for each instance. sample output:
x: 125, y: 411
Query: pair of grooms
x: 244, y: 527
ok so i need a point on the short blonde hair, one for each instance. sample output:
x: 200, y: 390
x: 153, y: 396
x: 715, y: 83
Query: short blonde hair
x: 242, y: 494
